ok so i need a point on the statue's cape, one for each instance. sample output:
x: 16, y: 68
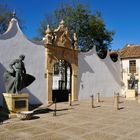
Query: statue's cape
x: 9, y: 80
x: 27, y: 80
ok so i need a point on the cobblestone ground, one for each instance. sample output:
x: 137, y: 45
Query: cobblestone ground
x: 78, y: 122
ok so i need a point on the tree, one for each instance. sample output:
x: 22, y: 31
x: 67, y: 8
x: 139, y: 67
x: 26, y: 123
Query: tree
x: 90, y: 28
x: 5, y: 16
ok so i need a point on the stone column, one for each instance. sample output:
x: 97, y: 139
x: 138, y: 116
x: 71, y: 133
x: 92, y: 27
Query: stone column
x: 49, y: 86
x: 74, y: 87
x: 49, y: 72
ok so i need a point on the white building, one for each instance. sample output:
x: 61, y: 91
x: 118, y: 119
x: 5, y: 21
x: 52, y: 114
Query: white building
x: 130, y: 63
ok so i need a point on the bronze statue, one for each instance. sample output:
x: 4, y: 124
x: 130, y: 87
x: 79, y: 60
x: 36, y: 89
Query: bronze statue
x: 17, y: 79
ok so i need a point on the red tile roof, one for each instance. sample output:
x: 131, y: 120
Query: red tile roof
x: 130, y: 51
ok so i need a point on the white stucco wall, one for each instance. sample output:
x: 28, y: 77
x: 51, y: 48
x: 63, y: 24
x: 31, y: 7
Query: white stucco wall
x: 97, y: 75
x: 126, y: 74
x: 12, y: 44
x: 94, y: 74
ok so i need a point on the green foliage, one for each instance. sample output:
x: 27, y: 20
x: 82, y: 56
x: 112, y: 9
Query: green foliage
x: 48, y: 19
x: 5, y: 16
x: 90, y: 28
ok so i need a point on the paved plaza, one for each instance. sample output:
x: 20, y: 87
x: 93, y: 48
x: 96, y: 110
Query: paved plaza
x: 78, y: 122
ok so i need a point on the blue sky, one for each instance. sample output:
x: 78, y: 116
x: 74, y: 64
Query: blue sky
x: 121, y: 16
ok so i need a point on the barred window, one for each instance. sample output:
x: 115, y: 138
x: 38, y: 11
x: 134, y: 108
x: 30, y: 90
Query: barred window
x: 132, y: 66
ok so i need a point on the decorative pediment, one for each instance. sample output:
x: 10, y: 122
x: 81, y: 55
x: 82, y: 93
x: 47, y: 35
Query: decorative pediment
x: 60, y: 37
x: 48, y: 37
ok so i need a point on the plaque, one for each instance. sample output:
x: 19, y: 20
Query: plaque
x: 20, y: 104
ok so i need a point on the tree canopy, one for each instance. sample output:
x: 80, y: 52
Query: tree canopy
x: 90, y: 27
x: 5, y: 16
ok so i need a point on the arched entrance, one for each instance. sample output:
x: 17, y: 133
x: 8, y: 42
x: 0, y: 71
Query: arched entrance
x: 59, y: 46
x: 61, y: 87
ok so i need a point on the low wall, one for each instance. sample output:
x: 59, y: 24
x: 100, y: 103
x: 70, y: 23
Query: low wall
x: 97, y: 75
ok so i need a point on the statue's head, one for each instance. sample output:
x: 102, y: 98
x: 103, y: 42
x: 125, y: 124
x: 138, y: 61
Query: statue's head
x: 22, y: 57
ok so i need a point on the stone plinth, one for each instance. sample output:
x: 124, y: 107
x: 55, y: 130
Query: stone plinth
x: 130, y: 94
x: 14, y: 103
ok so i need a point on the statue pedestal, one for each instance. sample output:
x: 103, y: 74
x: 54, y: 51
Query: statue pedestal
x: 14, y: 103
x: 130, y: 94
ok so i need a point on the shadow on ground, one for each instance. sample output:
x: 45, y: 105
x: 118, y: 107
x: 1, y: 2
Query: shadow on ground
x: 120, y: 108
x: 48, y: 110
x: 3, y: 116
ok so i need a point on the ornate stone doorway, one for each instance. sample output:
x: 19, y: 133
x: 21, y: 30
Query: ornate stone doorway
x: 59, y: 46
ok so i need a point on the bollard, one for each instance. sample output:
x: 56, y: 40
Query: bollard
x: 92, y: 101
x: 98, y: 97
x: 138, y: 98
x: 54, y: 114
x: 70, y: 103
x: 116, y: 97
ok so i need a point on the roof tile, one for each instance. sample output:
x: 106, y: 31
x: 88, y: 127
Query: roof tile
x: 130, y: 51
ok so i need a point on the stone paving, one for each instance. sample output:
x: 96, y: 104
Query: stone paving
x: 78, y: 122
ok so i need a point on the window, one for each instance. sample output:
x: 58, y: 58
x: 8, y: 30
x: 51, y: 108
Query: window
x: 132, y: 66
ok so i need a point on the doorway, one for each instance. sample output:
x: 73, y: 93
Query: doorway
x: 61, y: 87
x: 59, y: 45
